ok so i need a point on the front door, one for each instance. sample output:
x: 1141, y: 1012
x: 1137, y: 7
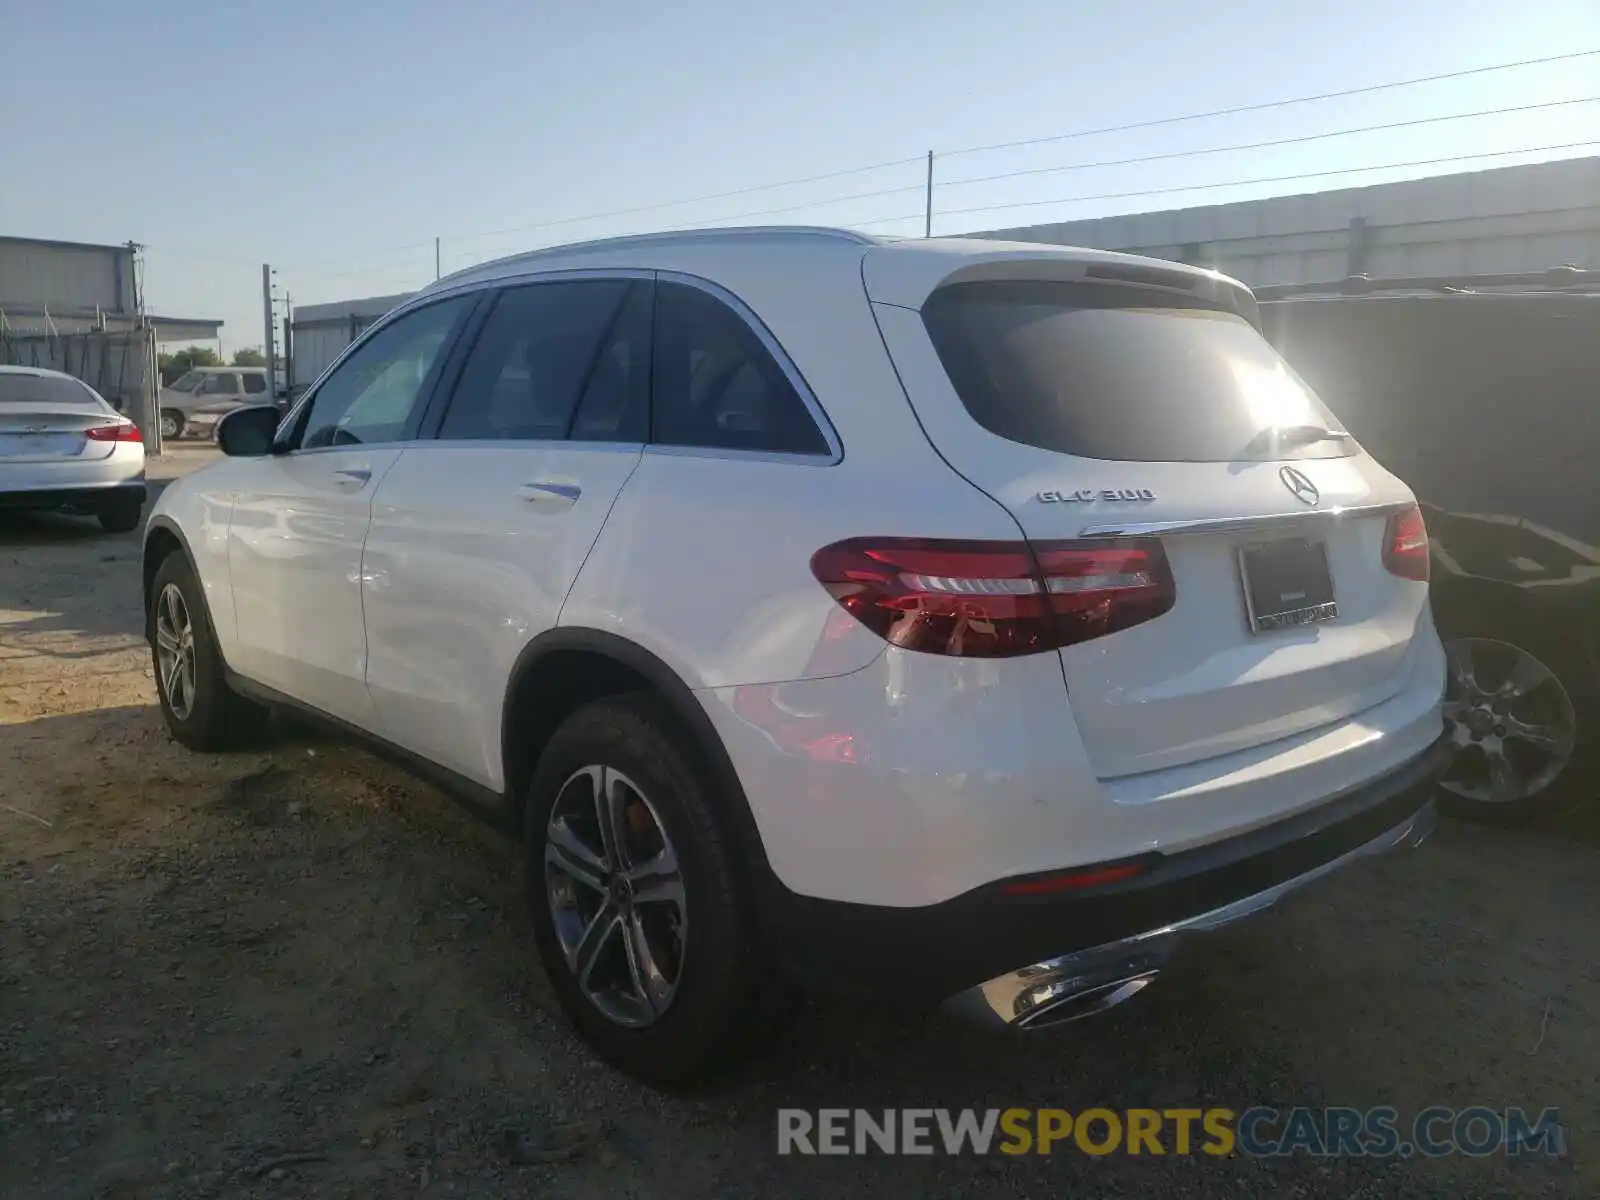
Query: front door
x: 300, y: 517
x: 478, y: 536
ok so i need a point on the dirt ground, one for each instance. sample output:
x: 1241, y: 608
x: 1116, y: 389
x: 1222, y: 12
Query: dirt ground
x: 301, y: 972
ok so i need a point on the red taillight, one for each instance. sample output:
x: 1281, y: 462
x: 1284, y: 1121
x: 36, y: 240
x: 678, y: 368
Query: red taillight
x: 1405, y: 545
x: 126, y: 432
x: 994, y: 599
x: 1072, y: 881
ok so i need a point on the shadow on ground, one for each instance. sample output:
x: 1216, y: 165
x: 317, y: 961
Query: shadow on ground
x: 302, y: 960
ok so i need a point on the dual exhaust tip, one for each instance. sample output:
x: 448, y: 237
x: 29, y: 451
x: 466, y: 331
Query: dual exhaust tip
x: 1056, y: 992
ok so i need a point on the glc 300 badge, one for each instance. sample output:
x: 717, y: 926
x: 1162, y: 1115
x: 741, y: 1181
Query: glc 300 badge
x: 1091, y: 495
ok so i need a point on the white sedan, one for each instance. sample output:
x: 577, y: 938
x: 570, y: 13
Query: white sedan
x: 63, y: 447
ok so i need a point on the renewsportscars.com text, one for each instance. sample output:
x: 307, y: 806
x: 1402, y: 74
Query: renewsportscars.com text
x: 1258, y: 1132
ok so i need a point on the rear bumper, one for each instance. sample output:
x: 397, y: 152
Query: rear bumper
x: 80, y: 496
x: 1005, y: 944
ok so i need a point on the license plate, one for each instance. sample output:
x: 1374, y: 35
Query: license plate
x: 1286, y: 584
x: 40, y: 445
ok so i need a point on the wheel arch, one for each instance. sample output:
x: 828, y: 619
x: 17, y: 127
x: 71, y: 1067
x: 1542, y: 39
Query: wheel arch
x: 564, y: 668
x: 162, y: 537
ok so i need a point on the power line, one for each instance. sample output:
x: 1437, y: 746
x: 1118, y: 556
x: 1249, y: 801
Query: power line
x: 1283, y: 141
x: 1197, y: 187
x: 658, y: 206
x: 1269, y: 104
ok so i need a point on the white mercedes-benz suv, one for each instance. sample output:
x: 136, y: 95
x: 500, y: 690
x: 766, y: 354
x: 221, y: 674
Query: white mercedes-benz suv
x: 954, y: 618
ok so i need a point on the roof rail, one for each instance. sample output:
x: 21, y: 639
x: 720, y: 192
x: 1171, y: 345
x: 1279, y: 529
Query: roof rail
x: 733, y: 233
x: 1569, y: 278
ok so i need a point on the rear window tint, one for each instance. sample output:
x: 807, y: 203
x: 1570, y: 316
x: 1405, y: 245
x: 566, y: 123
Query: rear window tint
x: 22, y: 388
x: 1113, y: 372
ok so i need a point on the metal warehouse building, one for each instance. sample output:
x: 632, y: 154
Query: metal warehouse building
x: 77, y: 307
x: 1508, y: 219
x: 318, y: 333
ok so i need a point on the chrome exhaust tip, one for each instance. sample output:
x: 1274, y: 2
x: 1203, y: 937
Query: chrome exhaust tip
x: 1056, y: 992
x: 1086, y: 1002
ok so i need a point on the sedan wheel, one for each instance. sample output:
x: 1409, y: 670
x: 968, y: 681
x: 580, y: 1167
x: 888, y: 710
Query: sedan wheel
x: 616, y: 896
x: 175, y: 651
x: 1511, y: 720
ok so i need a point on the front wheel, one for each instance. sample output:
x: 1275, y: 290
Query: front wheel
x: 202, y: 712
x: 638, y: 912
x: 171, y: 423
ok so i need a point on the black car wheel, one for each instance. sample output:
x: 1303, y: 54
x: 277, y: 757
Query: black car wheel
x: 639, y: 916
x: 202, y: 712
x: 1522, y: 725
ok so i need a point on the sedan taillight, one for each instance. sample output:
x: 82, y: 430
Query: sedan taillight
x: 1405, y: 545
x: 125, y: 432
x: 995, y: 599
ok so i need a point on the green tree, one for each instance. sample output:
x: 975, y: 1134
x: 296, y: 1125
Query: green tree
x: 174, y: 365
x: 249, y: 357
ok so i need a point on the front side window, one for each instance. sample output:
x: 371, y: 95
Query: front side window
x: 556, y: 361
x: 716, y: 385
x: 188, y: 381
x: 1119, y: 372
x: 224, y: 384
x: 373, y: 394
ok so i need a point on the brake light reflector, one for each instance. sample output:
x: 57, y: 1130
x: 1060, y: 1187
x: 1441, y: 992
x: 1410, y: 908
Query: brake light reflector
x: 1405, y: 545
x: 125, y: 432
x: 1072, y: 881
x: 995, y: 599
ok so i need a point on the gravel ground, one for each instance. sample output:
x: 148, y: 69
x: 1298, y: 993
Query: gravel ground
x: 300, y: 972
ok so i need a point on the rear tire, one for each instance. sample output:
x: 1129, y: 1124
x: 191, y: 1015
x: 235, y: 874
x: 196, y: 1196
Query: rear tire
x: 688, y: 1003
x: 171, y: 423
x: 120, y: 515
x: 201, y: 710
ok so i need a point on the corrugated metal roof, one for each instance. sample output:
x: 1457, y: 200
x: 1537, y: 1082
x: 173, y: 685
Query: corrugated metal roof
x: 1507, y: 219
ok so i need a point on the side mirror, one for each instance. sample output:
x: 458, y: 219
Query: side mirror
x: 248, y: 432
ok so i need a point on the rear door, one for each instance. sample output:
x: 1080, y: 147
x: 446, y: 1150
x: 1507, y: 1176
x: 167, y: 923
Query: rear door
x: 1093, y: 407
x: 478, y: 534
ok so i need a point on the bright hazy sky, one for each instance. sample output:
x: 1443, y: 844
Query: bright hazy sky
x: 337, y: 140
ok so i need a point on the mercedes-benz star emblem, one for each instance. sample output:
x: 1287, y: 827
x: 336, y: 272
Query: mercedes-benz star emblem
x: 1304, y: 490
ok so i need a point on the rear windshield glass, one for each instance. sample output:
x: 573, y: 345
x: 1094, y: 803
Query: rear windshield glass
x: 44, y: 389
x: 1115, y: 372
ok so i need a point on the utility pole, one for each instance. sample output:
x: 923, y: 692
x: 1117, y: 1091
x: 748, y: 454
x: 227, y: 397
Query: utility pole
x: 267, y: 345
x: 436, y: 258
x: 288, y: 344
x: 927, y: 209
x: 146, y: 405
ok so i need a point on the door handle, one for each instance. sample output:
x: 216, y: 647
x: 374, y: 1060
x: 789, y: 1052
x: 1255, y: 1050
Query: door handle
x: 565, y: 493
x: 354, y: 476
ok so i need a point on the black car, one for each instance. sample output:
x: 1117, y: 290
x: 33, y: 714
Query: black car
x: 1483, y: 393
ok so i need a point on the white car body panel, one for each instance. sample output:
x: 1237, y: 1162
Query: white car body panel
x: 875, y: 774
x: 295, y: 536
x: 472, y: 550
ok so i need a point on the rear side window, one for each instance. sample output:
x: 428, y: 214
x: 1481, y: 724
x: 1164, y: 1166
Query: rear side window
x: 1115, y: 372
x: 716, y: 385
x: 557, y: 361
x: 255, y: 383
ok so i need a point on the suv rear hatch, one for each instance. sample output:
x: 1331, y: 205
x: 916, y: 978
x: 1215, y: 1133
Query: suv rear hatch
x: 1119, y: 402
